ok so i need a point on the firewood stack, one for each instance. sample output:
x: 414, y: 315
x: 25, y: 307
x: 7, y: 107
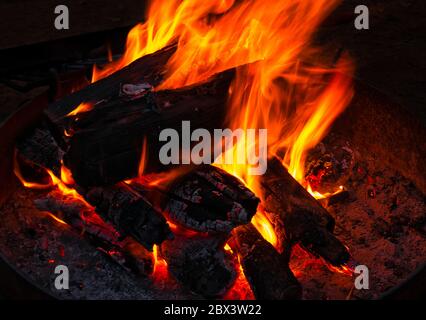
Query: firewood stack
x: 102, y: 149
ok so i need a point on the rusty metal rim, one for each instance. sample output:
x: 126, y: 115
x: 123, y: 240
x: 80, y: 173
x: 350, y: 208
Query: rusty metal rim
x: 13, y: 283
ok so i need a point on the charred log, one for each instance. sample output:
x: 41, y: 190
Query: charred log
x: 205, y: 199
x: 107, y: 142
x: 130, y: 213
x: 298, y: 217
x: 266, y: 270
x: 210, y: 200
x: 148, y: 69
x: 200, y: 263
x: 40, y: 149
x: 79, y: 216
x: 104, y: 150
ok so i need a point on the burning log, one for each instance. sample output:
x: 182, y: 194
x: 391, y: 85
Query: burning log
x: 208, y: 199
x: 70, y: 210
x: 103, y: 150
x: 298, y: 217
x: 148, y: 69
x: 266, y: 270
x: 78, y: 215
x: 130, y: 213
x: 200, y: 263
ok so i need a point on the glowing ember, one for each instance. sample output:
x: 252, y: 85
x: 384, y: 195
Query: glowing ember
x: 228, y: 248
x: 160, y: 265
x: 241, y: 289
x: 346, y: 270
x: 143, y: 160
x: 56, y: 218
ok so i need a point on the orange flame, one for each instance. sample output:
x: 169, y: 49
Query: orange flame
x: 26, y: 183
x: 82, y: 107
x: 54, y: 182
x: 280, y: 83
x: 56, y: 218
x: 144, y: 156
x: 265, y: 228
x: 317, y: 195
x: 66, y: 175
x: 160, y: 265
x: 328, y: 107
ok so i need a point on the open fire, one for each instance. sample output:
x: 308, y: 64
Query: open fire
x: 255, y: 62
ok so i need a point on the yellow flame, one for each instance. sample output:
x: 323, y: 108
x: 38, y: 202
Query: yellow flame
x: 265, y: 228
x: 66, y: 175
x: 281, y: 84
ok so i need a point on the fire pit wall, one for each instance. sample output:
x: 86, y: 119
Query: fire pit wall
x: 382, y: 129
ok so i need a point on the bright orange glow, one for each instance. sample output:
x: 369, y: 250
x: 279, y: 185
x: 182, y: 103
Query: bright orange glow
x: 159, y: 180
x: 65, y: 189
x: 67, y: 134
x: 82, y: 107
x: 345, y: 270
x: 25, y: 183
x: 56, y: 218
x: 143, y: 160
x: 241, y: 289
x: 66, y: 175
x: 317, y: 195
x: 328, y: 106
x: 227, y: 247
x: 184, y: 231
x: 265, y: 228
x: 160, y: 265
x: 55, y: 181
x: 281, y: 84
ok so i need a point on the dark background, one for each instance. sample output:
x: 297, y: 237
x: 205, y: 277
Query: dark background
x: 390, y: 56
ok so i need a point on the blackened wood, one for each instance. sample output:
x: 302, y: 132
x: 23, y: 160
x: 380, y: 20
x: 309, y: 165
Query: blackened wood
x: 108, y: 141
x: 148, y: 69
x: 208, y: 199
x: 78, y: 215
x: 130, y: 213
x: 200, y: 263
x: 266, y: 270
x: 41, y: 149
x: 131, y: 257
x: 298, y: 217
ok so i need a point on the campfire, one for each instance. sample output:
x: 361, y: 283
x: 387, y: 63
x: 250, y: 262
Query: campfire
x: 213, y: 227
